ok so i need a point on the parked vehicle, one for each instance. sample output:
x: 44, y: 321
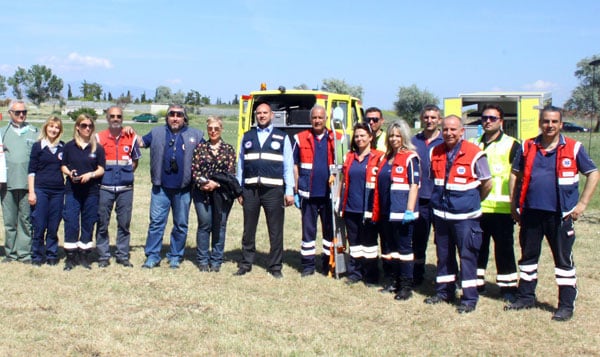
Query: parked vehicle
x: 521, y: 111
x: 572, y: 127
x: 292, y: 109
x: 145, y: 118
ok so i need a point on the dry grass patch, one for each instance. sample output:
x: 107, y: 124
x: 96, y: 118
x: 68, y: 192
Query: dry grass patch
x: 122, y: 312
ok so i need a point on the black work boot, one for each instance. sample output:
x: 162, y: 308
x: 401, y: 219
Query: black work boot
x: 71, y: 261
x: 404, y: 290
x: 84, y: 258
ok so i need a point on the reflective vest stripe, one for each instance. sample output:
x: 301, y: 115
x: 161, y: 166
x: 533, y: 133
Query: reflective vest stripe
x: 252, y: 156
x: 263, y: 180
x: 456, y: 216
x: 271, y: 157
x: 117, y: 162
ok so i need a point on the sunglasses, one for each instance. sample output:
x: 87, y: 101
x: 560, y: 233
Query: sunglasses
x: 19, y: 112
x: 213, y: 128
x: 118, y: 116
x: 86, y: 126
x: 491, y: 118
x: 176, y: 114
x: 374, y: 120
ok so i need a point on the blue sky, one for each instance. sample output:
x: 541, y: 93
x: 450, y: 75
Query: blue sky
x: 223, y: 48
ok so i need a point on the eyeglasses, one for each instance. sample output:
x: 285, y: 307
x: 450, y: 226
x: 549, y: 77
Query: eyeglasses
x: 19, y: 112
x: 374, y: 120
x: 86, y: 126
x: 176, y: 114
x: 118, y: 116
x: 491, y: 118
x: 213, y: 128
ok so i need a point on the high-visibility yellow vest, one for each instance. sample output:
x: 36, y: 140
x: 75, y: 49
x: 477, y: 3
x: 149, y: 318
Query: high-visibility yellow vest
x: 498, y: 156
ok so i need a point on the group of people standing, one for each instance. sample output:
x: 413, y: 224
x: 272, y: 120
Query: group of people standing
x: 43, y: 181
x: 395, y: 188
x: 470, y: 191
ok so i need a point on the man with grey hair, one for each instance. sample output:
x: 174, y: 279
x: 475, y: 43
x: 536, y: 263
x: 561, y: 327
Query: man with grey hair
x: 17, y: 139
x: 122, y: 155
x: 312, y: 193
x: 461, y: 179
x: 171, y: 151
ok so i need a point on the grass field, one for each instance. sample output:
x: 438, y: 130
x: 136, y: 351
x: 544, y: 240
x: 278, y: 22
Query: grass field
x: 122, y: 312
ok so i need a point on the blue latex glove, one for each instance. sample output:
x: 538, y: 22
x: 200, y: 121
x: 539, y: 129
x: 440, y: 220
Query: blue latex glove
x: 297, y: 200
x: 409, y: 216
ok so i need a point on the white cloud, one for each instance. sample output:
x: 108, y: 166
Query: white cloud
x: 74, y: 61
x: 540, y: 85
x: 88, y: 61
x: 7, y: 68
x: 174, y: 81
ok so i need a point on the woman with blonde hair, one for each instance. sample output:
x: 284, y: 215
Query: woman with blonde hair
x: 395, y: 206
x: 83, y: 163
x: 46, y: 186
x: 215, y: 188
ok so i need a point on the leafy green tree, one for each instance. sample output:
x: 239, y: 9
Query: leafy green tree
x: 91, y: 91
x: 193, y: 97
x: 89, y: 111
x: 124, y: 99
x: 236, y: 100
x: 410, y: 102
x: 110, y: 97
x: 163, y: 95
x: 205, y: 100
x: 2, y: 85
x: 41, y: 84
x: 69, y: 92
x: 585, y: 98
x: 340, y: 86
x: 17, y: 82
x: 178, y: 97
x: 143, y: 97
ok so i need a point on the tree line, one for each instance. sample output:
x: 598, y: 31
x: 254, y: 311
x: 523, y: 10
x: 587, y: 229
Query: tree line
x: 40, y: 85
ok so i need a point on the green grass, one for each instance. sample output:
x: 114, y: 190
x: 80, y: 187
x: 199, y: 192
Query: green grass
x: 123, y: 312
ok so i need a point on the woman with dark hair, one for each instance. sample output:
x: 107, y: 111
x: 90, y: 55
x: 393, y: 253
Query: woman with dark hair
x: 83, y: 163
x: 395, y: 206
x: 359, y: 174
x: 46, y: 192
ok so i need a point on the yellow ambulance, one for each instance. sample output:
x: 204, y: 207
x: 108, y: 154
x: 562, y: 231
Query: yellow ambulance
x: 291, y: 109
x: 521, y: 111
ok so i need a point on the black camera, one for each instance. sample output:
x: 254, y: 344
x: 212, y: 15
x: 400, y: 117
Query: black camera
x: 75, y: 178
x: 173, y: 167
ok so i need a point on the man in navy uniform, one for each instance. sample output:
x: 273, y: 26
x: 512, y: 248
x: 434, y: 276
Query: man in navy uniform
x: 265, y: 170
x: 461, y: 181
x: 424, y: 141
x: 547, y: 204
x: 313, y: 153
x: 496, y: 220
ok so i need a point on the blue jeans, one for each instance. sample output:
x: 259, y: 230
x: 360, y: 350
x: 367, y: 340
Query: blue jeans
x: 122, y: 202
x: 204, y: 212
x: 45, y: 219
x: 161, y: 202
x: 78, y: 207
